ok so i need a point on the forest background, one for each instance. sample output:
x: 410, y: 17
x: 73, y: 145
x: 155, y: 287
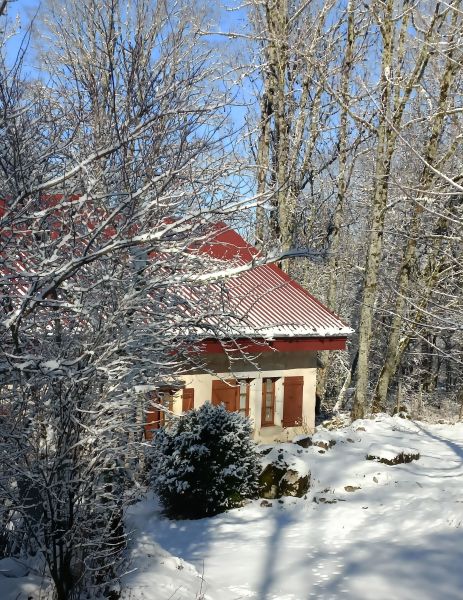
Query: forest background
x: 325, y: 129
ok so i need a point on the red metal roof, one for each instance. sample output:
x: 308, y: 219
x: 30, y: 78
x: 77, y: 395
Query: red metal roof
x: 262, y: 302
x: 265, y: 300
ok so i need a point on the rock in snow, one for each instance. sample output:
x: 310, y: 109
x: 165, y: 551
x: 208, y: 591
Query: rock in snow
x: 392, y: 455
x: 284, y: 473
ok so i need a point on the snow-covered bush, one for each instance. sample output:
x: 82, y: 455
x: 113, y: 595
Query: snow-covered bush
x: 205, y: 463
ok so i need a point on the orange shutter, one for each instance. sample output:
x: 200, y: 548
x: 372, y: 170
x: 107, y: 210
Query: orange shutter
x: 229, y: 395
x: 156, y: 417
x: 292, y: 401
x: 154, y: 420
x: 188, y: 399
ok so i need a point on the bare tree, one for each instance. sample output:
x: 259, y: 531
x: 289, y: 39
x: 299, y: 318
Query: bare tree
x: 339, y: 153
x: 111, y: 171
x: 405, y: 57
x: 294, y: 114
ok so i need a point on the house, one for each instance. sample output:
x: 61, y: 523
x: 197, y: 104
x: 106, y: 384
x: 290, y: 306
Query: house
x: 266, y: 368
x: 260, y: 359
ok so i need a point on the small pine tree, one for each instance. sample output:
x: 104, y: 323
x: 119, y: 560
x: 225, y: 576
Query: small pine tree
x: 205, y: 463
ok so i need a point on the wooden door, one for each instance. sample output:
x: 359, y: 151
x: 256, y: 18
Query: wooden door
x: 188, y: 399
x: 227, y: 393
x: 292, y: 401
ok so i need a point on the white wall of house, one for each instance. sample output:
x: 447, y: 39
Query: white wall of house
x: 276, y: 365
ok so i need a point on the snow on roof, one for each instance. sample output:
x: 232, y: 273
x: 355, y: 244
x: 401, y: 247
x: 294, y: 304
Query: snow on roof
x: 266, y: 301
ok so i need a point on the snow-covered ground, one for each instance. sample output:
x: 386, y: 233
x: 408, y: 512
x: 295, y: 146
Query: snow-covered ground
x: 399, y: 535
x: 365, y: 530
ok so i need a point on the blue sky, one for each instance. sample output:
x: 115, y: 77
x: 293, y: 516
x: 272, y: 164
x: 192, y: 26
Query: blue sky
x: 24, y: 10
x: 20, y: 12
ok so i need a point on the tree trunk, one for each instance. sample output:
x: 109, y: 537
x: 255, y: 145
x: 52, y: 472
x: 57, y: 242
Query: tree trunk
x: 383, y: 163
x: 394, y: 99
x: 395, y: 347
x: 335, y: 237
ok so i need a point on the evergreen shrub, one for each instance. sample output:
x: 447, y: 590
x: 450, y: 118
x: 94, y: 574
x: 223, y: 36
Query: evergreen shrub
x: 204, y: 463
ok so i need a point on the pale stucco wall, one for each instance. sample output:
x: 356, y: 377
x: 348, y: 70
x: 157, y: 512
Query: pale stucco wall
x: 269, y: 364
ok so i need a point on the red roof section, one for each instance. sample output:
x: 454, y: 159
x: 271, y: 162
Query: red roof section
x: 264, y: 301
x: 270, y: 303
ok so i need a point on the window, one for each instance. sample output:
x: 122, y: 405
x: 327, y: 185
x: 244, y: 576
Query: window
x: 268, y: 401
x: 243, y: 406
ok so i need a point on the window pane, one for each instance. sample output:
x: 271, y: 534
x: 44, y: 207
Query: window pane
x: 269, y: 400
